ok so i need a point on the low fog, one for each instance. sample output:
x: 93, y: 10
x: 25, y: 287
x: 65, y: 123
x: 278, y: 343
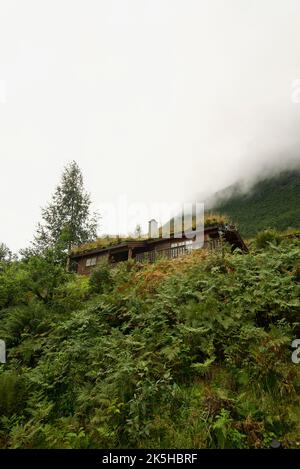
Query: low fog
x: 157, y: 100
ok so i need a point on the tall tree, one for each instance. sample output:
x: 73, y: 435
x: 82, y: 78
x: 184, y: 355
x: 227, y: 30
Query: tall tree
x: 5, y: 253
x: 67, y: 220
x: 138, y: 232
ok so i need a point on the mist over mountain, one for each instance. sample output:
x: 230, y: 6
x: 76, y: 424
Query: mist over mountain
x: 271, y: 199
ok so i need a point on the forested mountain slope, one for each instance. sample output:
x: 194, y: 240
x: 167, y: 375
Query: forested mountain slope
x: 273, y: 202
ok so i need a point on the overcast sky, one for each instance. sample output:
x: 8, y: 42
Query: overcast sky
x: 156, y: 100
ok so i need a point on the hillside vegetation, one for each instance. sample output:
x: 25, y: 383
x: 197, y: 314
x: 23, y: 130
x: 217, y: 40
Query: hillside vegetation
x: 193, y: 352
x: 273, y: 202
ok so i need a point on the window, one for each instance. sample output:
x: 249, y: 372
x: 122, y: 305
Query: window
x: 91, y: 261
x: 187, y: 244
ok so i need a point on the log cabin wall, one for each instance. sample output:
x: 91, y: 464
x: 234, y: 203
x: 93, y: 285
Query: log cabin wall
x: 86, y: 263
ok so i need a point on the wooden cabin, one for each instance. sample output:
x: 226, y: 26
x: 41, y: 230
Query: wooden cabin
x: 148, y: 250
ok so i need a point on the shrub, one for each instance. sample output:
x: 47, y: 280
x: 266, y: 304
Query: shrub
x: 12, y: 393
x: 100, y: 279
x: 71, y: 295
x: 263, y: 238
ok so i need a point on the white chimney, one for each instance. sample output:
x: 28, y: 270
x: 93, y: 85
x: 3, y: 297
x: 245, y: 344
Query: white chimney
x: 153, y: 229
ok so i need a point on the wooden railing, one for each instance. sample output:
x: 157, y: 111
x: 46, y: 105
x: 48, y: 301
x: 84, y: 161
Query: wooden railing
x: 172, y: 253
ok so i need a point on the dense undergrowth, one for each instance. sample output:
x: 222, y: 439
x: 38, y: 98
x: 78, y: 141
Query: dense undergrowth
x: 193, y: 352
